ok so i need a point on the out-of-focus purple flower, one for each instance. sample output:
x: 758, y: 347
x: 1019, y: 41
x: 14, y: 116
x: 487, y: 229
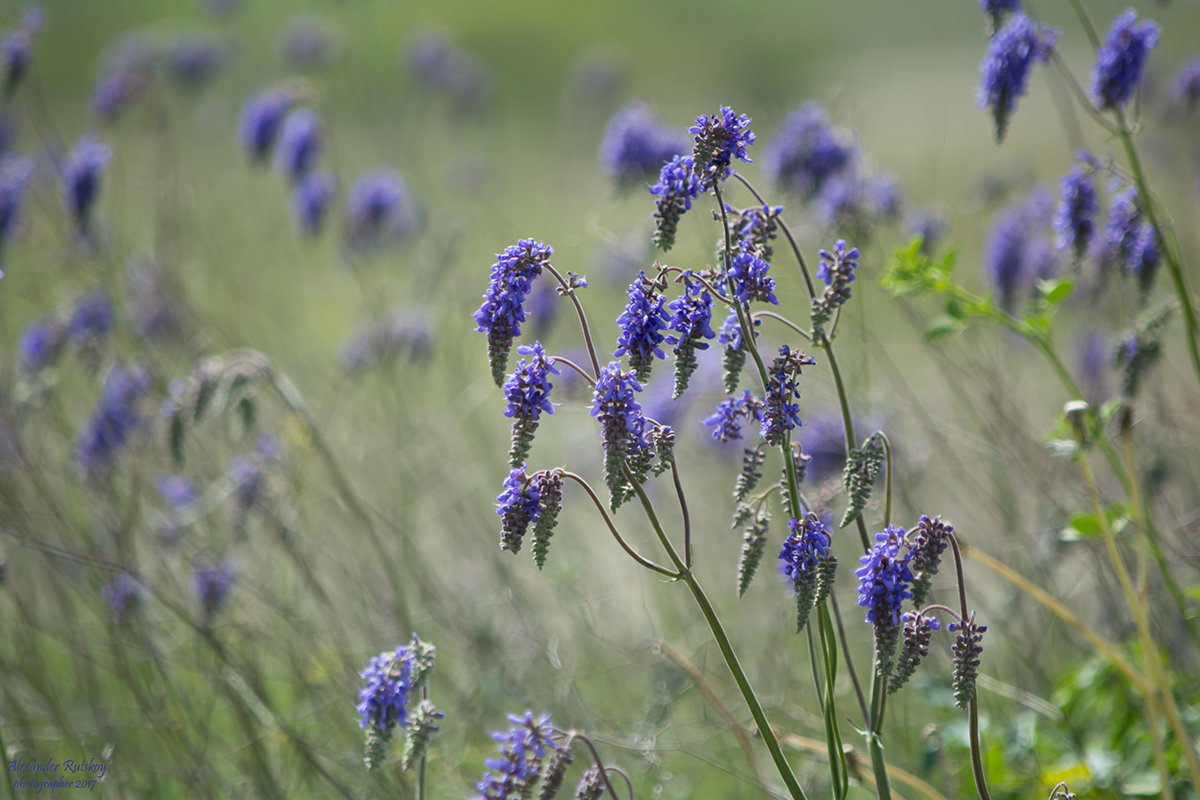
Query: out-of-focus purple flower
x: 212, y: 585
x: 394, y: 335
x: 124, y: 595
x: 841, y: 199
x: 718, y: 140
x: 1042, y: 260
x: 997, y: 7
x: 15, y: 172
x: 642, y: 326
x: 807, y: 151
x: 127, y: 76
x: 379, y: 209
x: 154, y: 301
x: 267, y: 446
x: 1013, y: 248
x: 179, y: 491
x: 1092, y: 351
x: 636, y: 145
x: 929, y: 228
x: 245, y: 471
x: 16, y: 50
x: 1185, y: 85
x: 39, y: 345
x: 311, y: 197
x: 81, y: 179
x: 1119, y: 62
x: 1004, y: 71
x: 514, y: 773
x: 104, y: 436
x: 444, y: 67
x: 1075, y: 218
x: 193, y: 60
x: 502, y: 312
x: 299, y: 144
x: 1130, y: 242
x: 824, y: 442
x: 91, y: 319
x: 677, y: 186
x: 260, y: 120
x: 308, y: 43
x: 882, y: 197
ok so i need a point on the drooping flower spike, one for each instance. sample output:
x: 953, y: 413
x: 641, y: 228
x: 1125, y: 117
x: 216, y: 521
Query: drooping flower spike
x: 718, y: 140
x: 1004, y: 71
x: 1119, y: 62
x: 502, y: 312
x: 527, y: 390
x: 642, y: 325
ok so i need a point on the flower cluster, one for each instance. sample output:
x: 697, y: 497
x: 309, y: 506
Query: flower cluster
x: 81, y: 179
x: 104, y: 436
x: 930, y: 540
x: 310, y: 199
x: 677, y: 186
x: 884, y: 581
x: 837, y: 270
x: 529, y: 500
x: 758, y: 227
x: 636, y: 145
x: 528, y: 393
x: 260, y: 120
x: 124, y: 595
x: 1185, y: 86
x: 691, y: 321
x: 748, y: 271
x: 515, y: 772
x: 502, y: 312
x: 447, y: 69
x: 918, y: 631
x: 39, y: 345
x: 1075, y: 218
x: 380, y: 208
x: 15, y: 172
x: 1130, y: 242
x: 1120, y: 60
x: 807, y: 562
x: 1004, y: 71
x: 91, y: 319
x: 299, y: 144
x: 967, y: 648
x: 780, y: 413
x: 16, y: 50
x: 212, y: 585
x: 390, y: 681
x: 730, y: 335
x: 807, y: 151
x: 726, y: 419
x: 718, y: 140
x: 642, y: 325
x: 1014, y: 255
x: 622, y: 425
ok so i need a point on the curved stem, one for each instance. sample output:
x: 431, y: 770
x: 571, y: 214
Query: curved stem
x: 683, y: 509
x: 887, y: 505
x: 779, y: 317
x: 568, y: 362
x: 599, y: 763
x: 862, y: 701
x: 645, y: 562
x: 583, y: 323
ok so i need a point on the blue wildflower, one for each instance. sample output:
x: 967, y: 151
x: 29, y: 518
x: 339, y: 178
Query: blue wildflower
x: 691, y: 319
x: 806, y: 562
x: 104, y: 436
x: 383, y: 699
x: 91, y: 319
x: 502, y: 312
x: 212, y: 585
x: 513, y: 774
x: 528, y: 393
x: 39, y: 345
x: 967, y: 649
x: 929, y: 228
x: 758, y: 226
x: 15, y: 172
x: 193, y: 60
x: 636, y: 145
x: 81, y: 178
x: 1011, y: 247
x: 124, y: 595
x: 884, y: 581
x: 179, y: 491
x: 917, y: 634
x: 246, y: 474
x: 749, y: 275
x: 1075, y: 218
x: 1130, y: 242
x: 1185, y: 85
x: 807, y: 151
x: 128, y: 75
x: 929, y: 542
x: 677, y: 186
x: 841, y: 200
x: 730, y: 335
x: 882, y: 197
x: 260, y: 120
x: 780, y: 414
x: 837, y: 270
x: 1004, y: 71
x: 719, y: 140
x: 379, y: 207
x: 996, y: 9
x: 622, y: 425
x: 517, y: 506
x: 311, y: 197
x: 642, y: 325
x: 16, y: 50
x: 444, y: 67
x: 1091, y: 358
x: 1119, y: 62
x: 299, y: 144
x: 726, y: 420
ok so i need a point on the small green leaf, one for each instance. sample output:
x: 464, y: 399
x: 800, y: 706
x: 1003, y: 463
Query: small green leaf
x: 954, y: 309
x: 943, y: 327
x: 1084, y: 526
x: 1056, y: 291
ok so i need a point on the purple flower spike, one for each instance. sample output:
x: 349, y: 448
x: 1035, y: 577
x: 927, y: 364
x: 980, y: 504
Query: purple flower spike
x: 636, y: 145
x: 260, y: 120
x: 719, y: 140
x: 1119, y: 62
x: 1004, y: 71
x: 81, y: 179
x: 502, y: 312
x: 514, y: 773
x: 299, y: 144
x: 642, y: 326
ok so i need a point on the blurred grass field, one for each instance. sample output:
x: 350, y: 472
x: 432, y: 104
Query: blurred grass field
x: 262, y: 703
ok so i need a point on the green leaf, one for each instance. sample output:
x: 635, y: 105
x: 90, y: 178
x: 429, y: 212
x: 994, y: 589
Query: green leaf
x: 954, y: 309
x: 1081, y: 527
x: 943, y: 327
x: 1056, y: 291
